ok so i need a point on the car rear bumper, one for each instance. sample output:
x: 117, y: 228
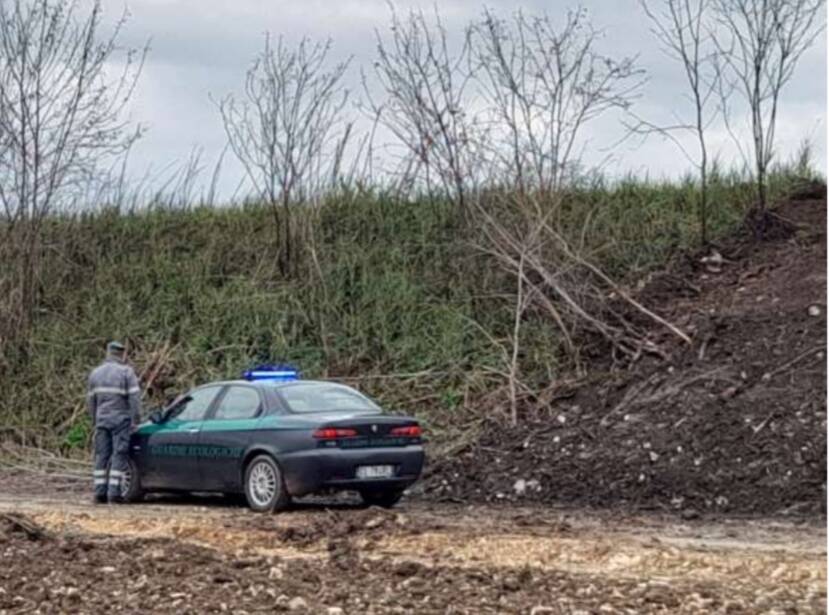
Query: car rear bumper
x: 318, y: 469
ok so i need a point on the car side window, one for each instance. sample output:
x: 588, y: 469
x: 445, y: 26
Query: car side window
x: 197, y: 406
x: 238, y: 403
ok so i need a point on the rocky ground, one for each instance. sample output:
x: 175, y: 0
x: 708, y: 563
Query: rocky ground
x: 205, y: 556
x: 735, y: 423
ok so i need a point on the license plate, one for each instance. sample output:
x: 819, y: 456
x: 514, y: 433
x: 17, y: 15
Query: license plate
x: 375, y: 471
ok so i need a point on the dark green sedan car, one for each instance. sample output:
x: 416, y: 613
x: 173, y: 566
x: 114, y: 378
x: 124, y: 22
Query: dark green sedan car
x: 271, y: 437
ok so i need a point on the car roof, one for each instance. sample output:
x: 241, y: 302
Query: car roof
x: 265, y: 384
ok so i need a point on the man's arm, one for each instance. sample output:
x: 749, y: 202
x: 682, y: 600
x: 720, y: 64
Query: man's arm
x: 134, y: 395
x: 91, y: 403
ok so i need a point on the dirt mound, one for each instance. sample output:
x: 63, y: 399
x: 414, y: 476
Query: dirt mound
x: 736, y: 423
x: 336, y: 524
x: 98, y: 573
x: 809, y: 190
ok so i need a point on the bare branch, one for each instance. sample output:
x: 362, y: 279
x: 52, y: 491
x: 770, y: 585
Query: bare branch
x: 760, y: 43
x: 425, y: 107
x: 61, y: 118
x: 542, y: 85
x: 682, y: 28
x: 287, y: 130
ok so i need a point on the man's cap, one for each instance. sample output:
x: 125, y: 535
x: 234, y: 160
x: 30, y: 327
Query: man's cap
x: 114, y: 346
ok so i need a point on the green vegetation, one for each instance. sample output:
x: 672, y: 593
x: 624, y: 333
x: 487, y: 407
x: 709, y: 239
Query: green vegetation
x: 394, y: 296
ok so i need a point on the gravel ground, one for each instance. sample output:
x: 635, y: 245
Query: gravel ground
x: 196, y: 556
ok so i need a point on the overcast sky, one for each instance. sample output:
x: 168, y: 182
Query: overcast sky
x: 202, y: 48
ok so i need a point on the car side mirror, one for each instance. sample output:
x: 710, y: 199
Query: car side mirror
x: 156, y: 417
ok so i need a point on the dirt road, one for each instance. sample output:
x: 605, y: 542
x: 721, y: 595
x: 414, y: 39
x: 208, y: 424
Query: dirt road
x: 212, y: 556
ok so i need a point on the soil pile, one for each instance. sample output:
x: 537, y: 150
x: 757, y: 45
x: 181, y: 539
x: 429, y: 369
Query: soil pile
x: 736, y: 423
x: 61, y: 572
x: 369, y: 524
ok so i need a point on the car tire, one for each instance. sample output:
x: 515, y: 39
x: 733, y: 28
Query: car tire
x: 131, y: 490
x: 385, y: 498
x: 264, y: 486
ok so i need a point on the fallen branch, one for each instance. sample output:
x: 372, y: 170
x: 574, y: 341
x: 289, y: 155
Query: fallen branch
x: 22, y: 524
x: 618, y: 290
x: 659, y: 394
x: 793, y: 361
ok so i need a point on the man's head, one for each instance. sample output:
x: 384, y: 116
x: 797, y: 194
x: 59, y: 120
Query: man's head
x: 116, y: 350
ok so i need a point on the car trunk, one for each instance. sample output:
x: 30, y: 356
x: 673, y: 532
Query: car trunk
x: 368, y: 431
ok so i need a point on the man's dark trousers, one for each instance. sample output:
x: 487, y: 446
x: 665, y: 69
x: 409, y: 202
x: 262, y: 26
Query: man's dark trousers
x: 112, y: 446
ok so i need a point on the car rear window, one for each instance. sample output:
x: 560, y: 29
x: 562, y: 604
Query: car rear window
x: 325, y: 397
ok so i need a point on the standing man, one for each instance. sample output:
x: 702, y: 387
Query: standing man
x: 114, y: 399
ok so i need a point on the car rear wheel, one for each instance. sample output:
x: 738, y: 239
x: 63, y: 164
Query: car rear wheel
x: 386, y: 498
x: 264, y: 488
x: 131, y: 489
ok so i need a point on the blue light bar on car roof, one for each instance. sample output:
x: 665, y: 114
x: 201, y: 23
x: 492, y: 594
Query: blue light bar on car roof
x: 281, y: 373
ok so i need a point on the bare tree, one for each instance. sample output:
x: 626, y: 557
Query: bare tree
x: 523, y: 299
x: 424, y: 105
x: 760, y: 42
x: 288, y: 131
x: 683, y: 29
x: 542, y: 85
x: 61, y: 116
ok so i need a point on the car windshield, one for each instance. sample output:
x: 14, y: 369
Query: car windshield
x: 325, y: 397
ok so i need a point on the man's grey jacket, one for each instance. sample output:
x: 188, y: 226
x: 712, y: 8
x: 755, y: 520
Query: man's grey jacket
x: 113, y: 395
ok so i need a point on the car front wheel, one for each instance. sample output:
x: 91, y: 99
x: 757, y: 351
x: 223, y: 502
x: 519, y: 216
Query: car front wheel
x: 264, y: 488
x: 131, y: 489
x: 386, y: 498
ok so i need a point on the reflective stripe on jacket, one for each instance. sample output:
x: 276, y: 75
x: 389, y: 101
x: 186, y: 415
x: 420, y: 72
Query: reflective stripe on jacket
x: 113, y: 394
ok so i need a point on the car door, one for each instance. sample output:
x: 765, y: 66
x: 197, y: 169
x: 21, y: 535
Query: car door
x: 172, y: 451
x: 225, y: 435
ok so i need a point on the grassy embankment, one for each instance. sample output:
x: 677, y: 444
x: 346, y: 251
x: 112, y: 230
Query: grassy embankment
x: 393, y: 294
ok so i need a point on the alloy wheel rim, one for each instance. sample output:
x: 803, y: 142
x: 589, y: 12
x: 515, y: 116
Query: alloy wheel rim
x: 262, y: 483
x: 126, y: 479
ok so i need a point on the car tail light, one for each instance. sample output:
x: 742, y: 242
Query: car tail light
x: 333, y: 433
x: 412, y: 431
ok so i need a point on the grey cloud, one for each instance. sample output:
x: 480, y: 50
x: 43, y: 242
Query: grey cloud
x: 202, y: 47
